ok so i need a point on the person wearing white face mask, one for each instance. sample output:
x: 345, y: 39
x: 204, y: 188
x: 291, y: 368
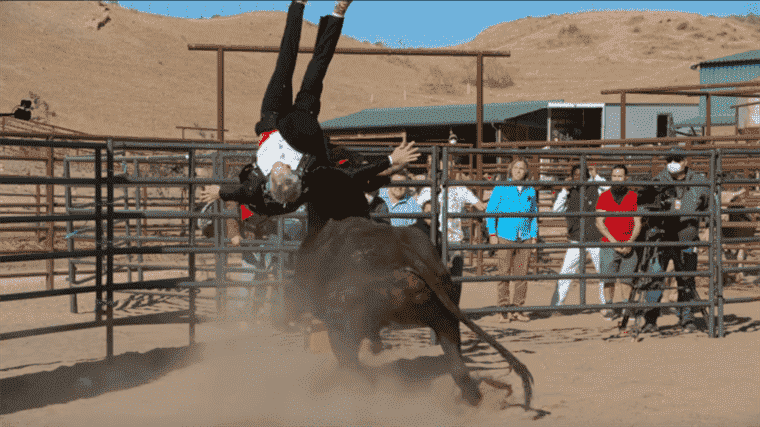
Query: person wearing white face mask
x: 684, y: 229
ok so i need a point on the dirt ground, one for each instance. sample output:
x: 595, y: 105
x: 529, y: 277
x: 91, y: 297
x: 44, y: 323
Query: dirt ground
x: 244, y: 374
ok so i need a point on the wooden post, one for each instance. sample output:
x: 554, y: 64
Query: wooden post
x: 479, y: 106
x: 220, y: 95
x: 622, y: 115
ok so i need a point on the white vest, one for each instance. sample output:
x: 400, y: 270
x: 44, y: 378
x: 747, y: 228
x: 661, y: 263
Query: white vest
x: 272, y: 149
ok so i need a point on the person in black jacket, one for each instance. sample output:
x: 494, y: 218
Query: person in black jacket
x: 292, y: 144
x: 682, y: 228
x: 331, y: 192
x: 334, y: 189
x: 569, y: 201
x: 290, y: 134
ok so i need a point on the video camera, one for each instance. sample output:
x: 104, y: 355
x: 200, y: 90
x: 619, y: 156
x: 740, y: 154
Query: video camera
x: 656, y: 199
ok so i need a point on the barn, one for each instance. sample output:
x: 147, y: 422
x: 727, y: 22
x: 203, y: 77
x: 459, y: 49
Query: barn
x: 740, y: 67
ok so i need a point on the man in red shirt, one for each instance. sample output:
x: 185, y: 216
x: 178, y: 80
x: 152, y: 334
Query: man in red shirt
x: 621, y: 260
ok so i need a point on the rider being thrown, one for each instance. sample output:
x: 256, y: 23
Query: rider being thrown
x: 294, y: 163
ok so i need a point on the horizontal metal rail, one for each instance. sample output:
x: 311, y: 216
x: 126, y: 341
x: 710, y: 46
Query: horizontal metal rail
x: 181, y: 317
x: 595, y: 307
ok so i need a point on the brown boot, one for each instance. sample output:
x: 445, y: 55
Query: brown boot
x: 340, y: 8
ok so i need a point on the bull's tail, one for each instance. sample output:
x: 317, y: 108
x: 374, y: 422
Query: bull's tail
x: 516, y: 365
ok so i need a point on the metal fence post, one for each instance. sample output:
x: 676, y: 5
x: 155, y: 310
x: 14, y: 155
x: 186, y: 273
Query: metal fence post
x: 444, y: 206
x: 98, y: 235
x: 50, y: 278
x: 716, y: 211
x: 434, y: 194
x: 127, y: 228
x: 191, y: 269
x: 109, y: 254
x: 139, y: 226
x: 70, y: 241
x: 582, y: 240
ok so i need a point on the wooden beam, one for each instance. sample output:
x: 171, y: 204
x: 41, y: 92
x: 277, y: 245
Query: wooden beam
x: 357, y: 136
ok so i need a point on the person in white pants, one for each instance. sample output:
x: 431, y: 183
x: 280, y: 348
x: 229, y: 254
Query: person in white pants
x: 568, y: 200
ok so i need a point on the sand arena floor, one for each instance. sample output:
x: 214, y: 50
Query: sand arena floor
x: 249, y: 374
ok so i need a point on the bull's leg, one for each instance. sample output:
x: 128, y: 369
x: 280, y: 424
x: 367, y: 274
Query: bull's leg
x: 447, y: 330
x: 376, y: 343
x: 345, y: 340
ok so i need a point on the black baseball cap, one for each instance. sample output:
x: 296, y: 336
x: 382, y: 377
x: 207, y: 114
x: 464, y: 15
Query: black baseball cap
x: 675, y: 154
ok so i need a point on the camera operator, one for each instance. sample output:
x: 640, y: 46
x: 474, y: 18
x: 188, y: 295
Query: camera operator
x: 683, y: 229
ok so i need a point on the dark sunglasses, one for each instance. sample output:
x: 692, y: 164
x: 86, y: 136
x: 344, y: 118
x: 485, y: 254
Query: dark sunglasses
x: 673, y: 159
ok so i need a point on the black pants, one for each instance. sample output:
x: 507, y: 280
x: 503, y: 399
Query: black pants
x: 684, y: 260
x: 278, y: 99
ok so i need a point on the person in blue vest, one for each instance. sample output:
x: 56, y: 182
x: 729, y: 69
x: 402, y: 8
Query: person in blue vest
x: 511, y: 198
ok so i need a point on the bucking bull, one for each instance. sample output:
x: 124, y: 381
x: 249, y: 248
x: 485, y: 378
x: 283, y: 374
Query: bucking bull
x: 358, y: 276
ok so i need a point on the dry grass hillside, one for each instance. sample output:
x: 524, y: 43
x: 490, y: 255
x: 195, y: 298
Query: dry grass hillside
x: 124, y: 72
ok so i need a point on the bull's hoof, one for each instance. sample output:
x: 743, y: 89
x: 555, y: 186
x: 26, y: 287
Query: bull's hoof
x: 376, y: 347
x: 473, y: 397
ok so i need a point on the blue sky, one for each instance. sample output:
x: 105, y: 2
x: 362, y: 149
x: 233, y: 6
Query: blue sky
x: 432, y: 23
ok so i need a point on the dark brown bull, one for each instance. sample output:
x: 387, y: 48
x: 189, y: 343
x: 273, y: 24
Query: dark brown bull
x: 358, y: 276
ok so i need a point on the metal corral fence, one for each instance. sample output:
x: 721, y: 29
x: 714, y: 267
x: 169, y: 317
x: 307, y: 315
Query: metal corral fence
x: 107, y: 245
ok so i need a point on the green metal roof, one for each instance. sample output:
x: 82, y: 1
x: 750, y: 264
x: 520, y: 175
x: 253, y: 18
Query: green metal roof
x: 699, y: 120
x: 748, y: 56
x: 433, y: 115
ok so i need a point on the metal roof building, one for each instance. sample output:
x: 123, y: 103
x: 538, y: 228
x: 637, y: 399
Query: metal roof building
x: 740, y: 67
x: 512, y: 121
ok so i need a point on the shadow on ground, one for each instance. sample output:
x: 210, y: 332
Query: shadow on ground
x: 91, y: 378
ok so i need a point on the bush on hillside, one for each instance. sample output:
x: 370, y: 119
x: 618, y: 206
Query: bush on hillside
x: 495, y: 75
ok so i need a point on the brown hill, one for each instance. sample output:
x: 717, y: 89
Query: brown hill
x: 123, y: 72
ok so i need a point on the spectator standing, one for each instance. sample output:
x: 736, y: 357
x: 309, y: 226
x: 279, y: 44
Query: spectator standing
x: 683, y: 229
x: 620, y: 260
x: 458, y: 198
x: 568, y: 200
x: 513, y: 198
x: 399, y: 200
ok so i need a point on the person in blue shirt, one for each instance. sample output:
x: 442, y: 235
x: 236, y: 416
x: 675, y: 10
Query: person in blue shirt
x: 400, y: 200
x: 513, y: 199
